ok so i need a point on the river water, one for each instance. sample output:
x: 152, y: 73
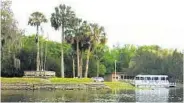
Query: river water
x: 155, y: 95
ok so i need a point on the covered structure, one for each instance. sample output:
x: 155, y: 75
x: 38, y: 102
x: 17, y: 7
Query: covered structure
x: 39, y: 74
x: 118, y: 76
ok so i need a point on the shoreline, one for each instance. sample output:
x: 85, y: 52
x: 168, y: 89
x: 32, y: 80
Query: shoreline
x: 61, y: 84
x: 66, y: 86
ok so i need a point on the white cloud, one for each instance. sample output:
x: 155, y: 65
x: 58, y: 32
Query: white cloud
x: 126, y: 21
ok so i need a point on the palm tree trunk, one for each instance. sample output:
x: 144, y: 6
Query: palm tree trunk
x: 87, y: 62
x: 38, y: 52
x: 62, y: 57
x: 78, y: 68
x: 81, y: 64
x: 41, y: 56
x: 97, y: 73
x: 73, y: 66
x: 45, y: 54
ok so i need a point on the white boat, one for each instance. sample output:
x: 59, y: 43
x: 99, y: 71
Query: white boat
x: 152, y: 81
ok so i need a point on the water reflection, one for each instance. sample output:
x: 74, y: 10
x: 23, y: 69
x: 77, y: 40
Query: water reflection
x: 127, y: 96
x: 156, y: 95
x: 175, y: 95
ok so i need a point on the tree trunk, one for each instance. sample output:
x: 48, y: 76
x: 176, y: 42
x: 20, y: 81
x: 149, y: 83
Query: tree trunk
x: 78, y: 64
x: 97, y: 73
x: 73, y: 66
x: 62, y: 57
x: 81, y: 64
x: 45, y: 57
x: 38, y: 52
x: 87, y: 62
x: 41, y: 56
x: 14, y: 61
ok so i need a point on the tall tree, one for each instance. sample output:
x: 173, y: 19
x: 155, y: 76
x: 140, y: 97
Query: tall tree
x: 76, y: 36
x: 36, y: 19
x: 97, y: 36
x: 76, y: 32
x: 10, y: 39
x: 60, y: 19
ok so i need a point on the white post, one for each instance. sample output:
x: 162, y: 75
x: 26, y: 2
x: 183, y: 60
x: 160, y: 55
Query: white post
x: 115, y: 69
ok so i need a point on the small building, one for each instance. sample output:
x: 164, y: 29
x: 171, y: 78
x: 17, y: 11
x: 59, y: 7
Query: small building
x: 39, y: 74
x: 118, y: 76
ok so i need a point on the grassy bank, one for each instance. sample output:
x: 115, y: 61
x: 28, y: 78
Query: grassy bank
x: 70, y: 80
x: 122, y: 86
x: 111, y: 85
x: 50, y: 80
x: 119, y: 85
x: 21, y: 80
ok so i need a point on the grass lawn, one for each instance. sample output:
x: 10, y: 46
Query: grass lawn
x: 111, y: 85
x: 42, y: 81
x: 70, y: 80
x: 119, y: 85
x: 20, y: 80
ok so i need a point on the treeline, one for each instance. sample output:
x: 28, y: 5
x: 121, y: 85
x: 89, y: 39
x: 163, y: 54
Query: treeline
x: 83, y: 51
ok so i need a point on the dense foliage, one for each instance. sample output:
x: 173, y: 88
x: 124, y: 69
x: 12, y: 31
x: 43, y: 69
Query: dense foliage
x: 10, y: 40
x: 84, y: 50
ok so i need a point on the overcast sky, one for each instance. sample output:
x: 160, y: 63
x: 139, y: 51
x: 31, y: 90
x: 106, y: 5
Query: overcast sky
x: 140, y: 22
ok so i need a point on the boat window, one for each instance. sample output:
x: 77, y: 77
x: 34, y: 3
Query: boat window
x: 166, y: 78
x: 142, y: 78
x: 155, y: 78
x: 148, y: 78
x: 137, y: 78
x: 162, y: 78
x: 152, y: 78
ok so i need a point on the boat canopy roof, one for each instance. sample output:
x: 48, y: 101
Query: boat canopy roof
x: 151, y: 76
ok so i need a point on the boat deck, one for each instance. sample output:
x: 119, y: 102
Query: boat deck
x: 173, y: 84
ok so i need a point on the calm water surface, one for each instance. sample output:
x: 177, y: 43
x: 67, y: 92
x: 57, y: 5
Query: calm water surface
x: 156, y: 95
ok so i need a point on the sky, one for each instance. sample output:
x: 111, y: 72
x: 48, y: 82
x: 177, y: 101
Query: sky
x: 139, y: 22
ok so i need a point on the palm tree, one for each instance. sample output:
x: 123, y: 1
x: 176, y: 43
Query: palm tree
x: 61, y: 18
x: 36, y: 19
x: 74, y: 37
x: 98, y: 52
x: 84, y: 42
x: 97, y: 36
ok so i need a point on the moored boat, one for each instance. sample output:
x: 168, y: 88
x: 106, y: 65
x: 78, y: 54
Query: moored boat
x: 153, y: 81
